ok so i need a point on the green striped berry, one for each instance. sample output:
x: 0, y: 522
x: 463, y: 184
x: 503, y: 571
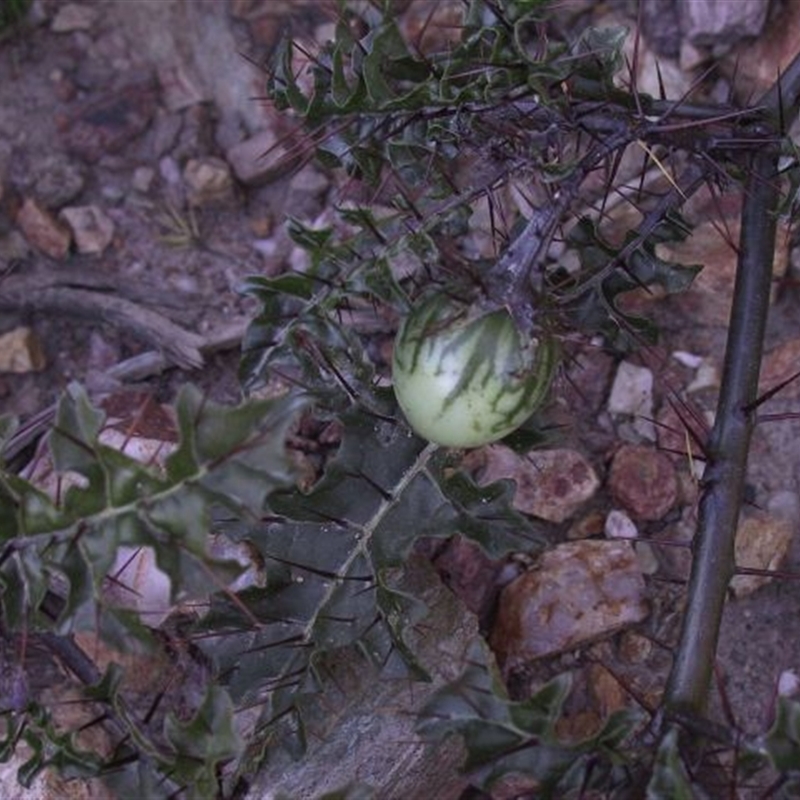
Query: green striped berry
x: 464, y: 380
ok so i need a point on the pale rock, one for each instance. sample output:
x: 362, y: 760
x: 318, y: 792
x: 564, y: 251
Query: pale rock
x: 551, y: 484
x: 20, y: 351
x: 788, y: 683
x: 259, y: 159
x: 42, y: 230
x: 142, y: 179
x: 706, y: 377
x: 691, y: 360
x: 578, y: 593
x: 762, y: 542
x: 180, y: 89
x: 74, y: 17
x: 208, y: 181
x: 92, y: 229
x: 719, y: 23
x: 632, y: 395
x: 619, y: 525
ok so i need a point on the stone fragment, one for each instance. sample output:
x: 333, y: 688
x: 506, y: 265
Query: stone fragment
x: 91, y: 227
x: 57, y: 180
x: 20, y: 351
x: 469, y: 572
x: 42, y: 230
x: 259, y: 159
x: 762, y: 542
x: 619, y: 525
x: 208, y: 181
x: 111, y: 122
x: 74, y: 17
x: 719, y: 23
x: 643, y: 481
x: 142, y: 179
x: 179, y: 87
x: 551, y: 484
x: 632, y: 395
x: 578, y: 593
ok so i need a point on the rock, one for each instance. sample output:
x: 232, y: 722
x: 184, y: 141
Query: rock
x: 590, y: 371
x: 579, y: 592
x: 42, y: 230
x: 469, y: 572
x: 643, y: 481
x: 20, y: 351
x: 632, y: 395
x: 142, y: 179
x: 307, y: 191
x: 619, y: 525
x: 661, y: 27
x: 672, y: 546
x: 372, y: 734
x: 57, y: 180
x: 111, y: 122
x: 208, y: 181
x: 13, y: 247
x: 754, y: 66
x: 259, y: 159
x: 551, y: 484
x: 718, y: 23
x: 179, y: 87
x: 74, y: 17
x: 708, y: 299
x: 778, y: 366
x: 92, y: 229
x: 681, y: 435
x: 762, y: 542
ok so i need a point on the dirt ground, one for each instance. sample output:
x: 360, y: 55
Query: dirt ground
x: 136, y: 107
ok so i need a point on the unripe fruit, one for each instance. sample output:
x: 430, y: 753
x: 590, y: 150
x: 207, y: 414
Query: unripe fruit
x: 464, y: 380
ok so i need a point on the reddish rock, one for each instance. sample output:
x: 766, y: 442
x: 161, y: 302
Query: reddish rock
x: 643, y: 481
x: 42, y: 230
x: 579, y: 592
x: 469, y: 572
x: 551, y: 484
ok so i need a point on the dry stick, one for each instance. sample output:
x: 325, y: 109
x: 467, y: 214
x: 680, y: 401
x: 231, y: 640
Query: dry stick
x: 714, y: 562
x: 182, y: 346
x: 137, y: 368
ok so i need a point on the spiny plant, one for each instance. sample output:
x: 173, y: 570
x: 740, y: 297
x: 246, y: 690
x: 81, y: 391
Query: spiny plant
x: 401, y: 120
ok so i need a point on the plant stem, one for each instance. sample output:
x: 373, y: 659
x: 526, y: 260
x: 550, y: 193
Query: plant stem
x: 714, y: 545
x: 713, y: 563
